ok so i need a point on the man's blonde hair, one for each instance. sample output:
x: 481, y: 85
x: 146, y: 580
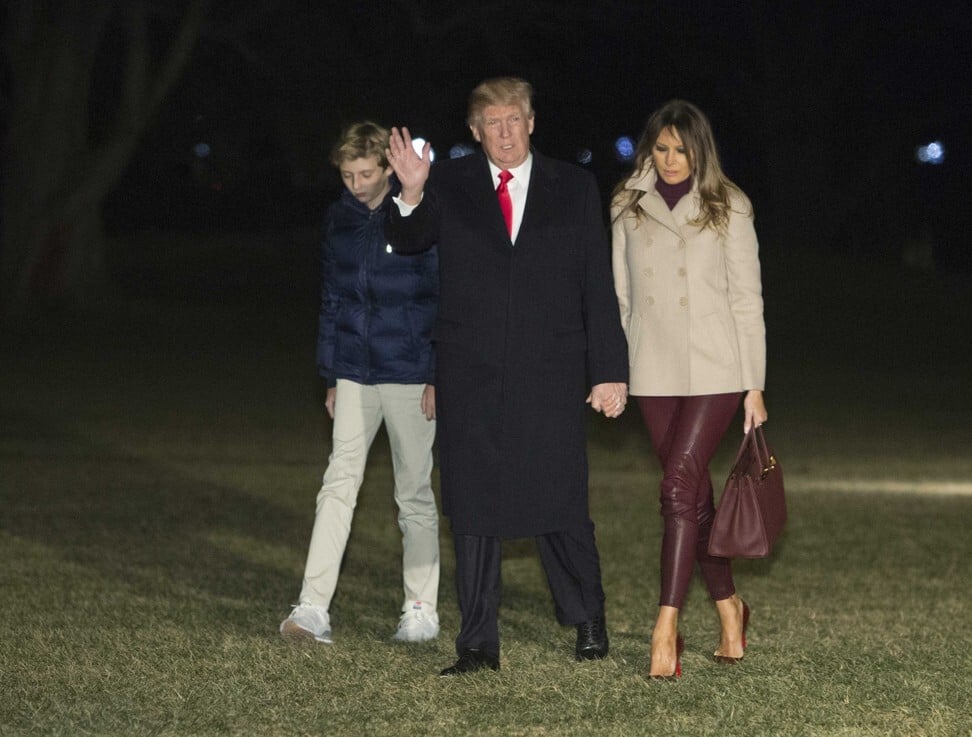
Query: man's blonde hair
x: 499, y: 91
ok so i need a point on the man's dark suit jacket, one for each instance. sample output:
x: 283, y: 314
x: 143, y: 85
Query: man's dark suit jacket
x: 523, y: 331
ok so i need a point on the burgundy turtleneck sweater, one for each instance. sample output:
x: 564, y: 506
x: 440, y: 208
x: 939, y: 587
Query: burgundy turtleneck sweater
x: 672, y: 193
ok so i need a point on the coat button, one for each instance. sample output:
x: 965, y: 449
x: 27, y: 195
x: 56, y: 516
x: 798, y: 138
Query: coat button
x: 649, y: 241
x: 683, y: 301
x: 649, y: 271
x: 681, y: 271
x: 650, y: 300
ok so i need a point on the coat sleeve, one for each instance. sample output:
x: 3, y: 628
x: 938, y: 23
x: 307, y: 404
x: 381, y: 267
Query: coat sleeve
x: 416, y: 232
x: 746, y: 293
x: 619, y: 259
x: 607, y: 349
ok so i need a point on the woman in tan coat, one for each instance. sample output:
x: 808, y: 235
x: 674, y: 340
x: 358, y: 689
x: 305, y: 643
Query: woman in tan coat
x: 686, y: 271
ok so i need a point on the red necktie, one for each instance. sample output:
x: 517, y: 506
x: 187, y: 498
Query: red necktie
x: 505, y: 203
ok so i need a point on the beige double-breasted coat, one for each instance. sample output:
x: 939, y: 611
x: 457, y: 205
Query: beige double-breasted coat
x: 690, y: 298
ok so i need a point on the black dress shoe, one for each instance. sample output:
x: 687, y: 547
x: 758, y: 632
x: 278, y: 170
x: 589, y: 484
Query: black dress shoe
x: 472, y: 659
x: 592, y: 639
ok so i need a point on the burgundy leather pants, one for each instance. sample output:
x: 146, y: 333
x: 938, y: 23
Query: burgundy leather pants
x: 685, y: 432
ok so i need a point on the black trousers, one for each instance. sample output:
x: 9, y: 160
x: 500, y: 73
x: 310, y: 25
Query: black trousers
x: 572, y: 566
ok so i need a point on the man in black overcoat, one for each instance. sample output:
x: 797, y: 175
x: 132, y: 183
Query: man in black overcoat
x: 528, y: 327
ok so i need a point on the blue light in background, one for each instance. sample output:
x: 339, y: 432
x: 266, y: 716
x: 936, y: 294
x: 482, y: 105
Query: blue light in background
x: 624, y: 149
x: 460, y: 150
x: 201, y: 150
x: 931, y: 153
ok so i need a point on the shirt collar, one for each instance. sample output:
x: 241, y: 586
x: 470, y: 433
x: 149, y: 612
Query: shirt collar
x: 520, y: 173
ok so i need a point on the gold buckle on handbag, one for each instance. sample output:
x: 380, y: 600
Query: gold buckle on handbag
x: 767, y: 469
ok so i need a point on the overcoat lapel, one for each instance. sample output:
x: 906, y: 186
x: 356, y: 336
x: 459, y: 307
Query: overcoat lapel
x: 654, y: 205
x: 541, y: 199
x: 685, y: 211
x: 482, y: 198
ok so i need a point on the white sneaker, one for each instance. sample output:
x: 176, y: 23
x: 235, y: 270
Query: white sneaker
x: 308, y: 622
x: 418, y: 624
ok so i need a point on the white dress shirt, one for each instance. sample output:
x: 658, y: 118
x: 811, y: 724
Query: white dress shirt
x: 517, y: 187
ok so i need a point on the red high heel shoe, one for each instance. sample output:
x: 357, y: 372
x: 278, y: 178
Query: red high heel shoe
x: 679, y: 647
x: 727, y: 659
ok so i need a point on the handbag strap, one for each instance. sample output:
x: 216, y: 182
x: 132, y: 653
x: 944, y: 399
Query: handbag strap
x: 766, y: 461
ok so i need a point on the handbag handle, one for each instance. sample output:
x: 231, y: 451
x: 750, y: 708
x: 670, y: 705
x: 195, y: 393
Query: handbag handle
x: 770, y: 463
x: 767, y: 462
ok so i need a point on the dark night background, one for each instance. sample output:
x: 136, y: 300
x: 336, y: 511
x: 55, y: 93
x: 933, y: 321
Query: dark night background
x: 162, y: 424
x: 817, y: 108
x: 837, y: 89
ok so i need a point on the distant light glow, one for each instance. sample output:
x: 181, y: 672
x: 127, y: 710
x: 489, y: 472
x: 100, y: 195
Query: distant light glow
x: 584, y: 156
x: 931, y: 153
x: 624, y: 149
x: 418, y: 143
x: 460, y: 150
x: 201, y: 150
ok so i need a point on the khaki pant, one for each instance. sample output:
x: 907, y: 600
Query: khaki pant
x: 358, y: 413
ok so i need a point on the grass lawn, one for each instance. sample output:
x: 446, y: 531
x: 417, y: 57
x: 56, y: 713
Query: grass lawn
x: 157, y: 482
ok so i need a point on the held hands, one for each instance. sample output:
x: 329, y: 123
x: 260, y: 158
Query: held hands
x: 608, y: 399
x: 411, y: 169
x: 755, y: 410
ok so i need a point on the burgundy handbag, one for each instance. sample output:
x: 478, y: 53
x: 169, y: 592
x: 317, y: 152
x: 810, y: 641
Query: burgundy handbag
x: 752, y: 510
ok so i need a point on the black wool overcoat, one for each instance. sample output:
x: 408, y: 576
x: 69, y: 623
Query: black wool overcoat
x: 523, y: 331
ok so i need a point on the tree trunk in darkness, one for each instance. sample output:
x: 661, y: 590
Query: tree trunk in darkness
x: 57, y: 168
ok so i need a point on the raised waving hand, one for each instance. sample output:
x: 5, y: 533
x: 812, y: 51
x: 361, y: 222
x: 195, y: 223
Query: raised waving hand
x: 411, y: 169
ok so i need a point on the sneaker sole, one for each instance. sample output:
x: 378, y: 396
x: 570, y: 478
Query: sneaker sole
x: 296, y: 633
x: 399, y: 637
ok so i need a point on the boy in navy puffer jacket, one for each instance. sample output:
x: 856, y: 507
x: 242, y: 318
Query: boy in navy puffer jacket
x: 375, y: 352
